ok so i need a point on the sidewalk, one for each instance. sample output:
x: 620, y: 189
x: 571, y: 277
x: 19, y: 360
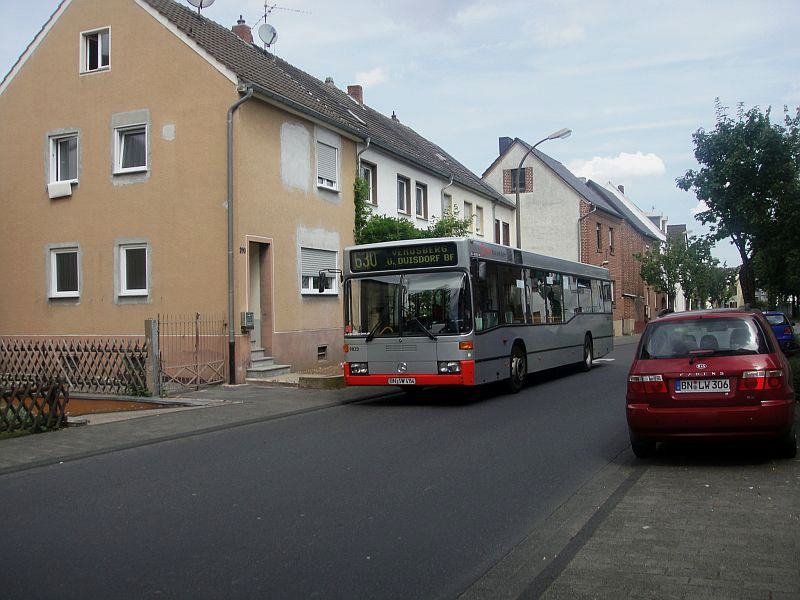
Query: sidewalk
x: 690, y: 523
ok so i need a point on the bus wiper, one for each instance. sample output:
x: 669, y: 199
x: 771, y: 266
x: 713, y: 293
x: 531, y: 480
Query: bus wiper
x: 427, y: 331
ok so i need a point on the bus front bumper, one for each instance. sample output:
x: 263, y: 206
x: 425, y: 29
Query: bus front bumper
x: 466, y: 377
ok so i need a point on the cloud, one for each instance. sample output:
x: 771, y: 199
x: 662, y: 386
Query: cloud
x: 701, y: 207
x: 623, y: 167
x: 477, y: 14
x: 372, y: 77
x: 558, y: 37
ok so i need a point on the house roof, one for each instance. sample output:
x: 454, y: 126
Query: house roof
x: 284, y: 83
x: 633, y: 215
x: 577, y: 184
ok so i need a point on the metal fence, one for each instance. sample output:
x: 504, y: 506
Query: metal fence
x: 95, y: 365
x: 192, y: 351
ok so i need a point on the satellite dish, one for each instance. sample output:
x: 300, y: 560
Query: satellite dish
x: 267, y: 34
x: 198, y: 4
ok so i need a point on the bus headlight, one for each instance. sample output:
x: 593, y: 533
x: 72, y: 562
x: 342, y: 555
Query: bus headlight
x: 447, y: 367
x: 359, y: 369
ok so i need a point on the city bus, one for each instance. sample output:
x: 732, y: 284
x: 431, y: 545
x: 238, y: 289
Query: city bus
x: 462, y: 312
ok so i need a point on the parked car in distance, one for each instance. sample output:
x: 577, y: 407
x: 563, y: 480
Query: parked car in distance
x: 711, y: 374
x: 783, y: 329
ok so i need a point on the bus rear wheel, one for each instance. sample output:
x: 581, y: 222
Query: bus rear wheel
x: 518, y: 369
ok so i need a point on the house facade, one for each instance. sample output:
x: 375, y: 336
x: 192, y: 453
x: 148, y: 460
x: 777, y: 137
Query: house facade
x: 119, y: 189
x: 412, y: 178
x: 637, y: 303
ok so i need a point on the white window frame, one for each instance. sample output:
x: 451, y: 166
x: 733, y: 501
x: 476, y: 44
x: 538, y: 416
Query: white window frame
x: 53, y: 291
x: 479, y: 220
x: 123, y: 266
x: 85, y: 54
x: 406, y: 195
x: 119, y: 148
x: 421, y: 200
x: 327, y: 174
x: 468, y: 214
x: 371, y: 171
x: 55, y: 152
x: 308, y: 286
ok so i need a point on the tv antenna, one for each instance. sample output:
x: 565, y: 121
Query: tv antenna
x: 198, y: 4
x: 267, y: 32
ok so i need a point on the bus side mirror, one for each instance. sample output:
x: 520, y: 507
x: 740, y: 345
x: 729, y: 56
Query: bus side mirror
x: 322, y: 279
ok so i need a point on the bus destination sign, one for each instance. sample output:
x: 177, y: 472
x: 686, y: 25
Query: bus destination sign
x: 418, y: 256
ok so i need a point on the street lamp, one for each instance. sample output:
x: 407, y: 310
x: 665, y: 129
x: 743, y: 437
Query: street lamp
x: 556, y: 135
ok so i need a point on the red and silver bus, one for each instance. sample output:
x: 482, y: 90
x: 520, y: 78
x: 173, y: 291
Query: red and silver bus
x: 461, y: 312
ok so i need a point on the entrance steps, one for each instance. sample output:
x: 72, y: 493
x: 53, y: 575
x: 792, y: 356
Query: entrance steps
x: 263, y: 368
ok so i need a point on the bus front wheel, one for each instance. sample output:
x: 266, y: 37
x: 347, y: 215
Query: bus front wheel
x: 518, y: 369
x: 588, y: 353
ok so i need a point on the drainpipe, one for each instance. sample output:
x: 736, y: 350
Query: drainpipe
x: 231, y: 336
x: 441, y: 194
x: 580, y: 238
x: 358, y: 157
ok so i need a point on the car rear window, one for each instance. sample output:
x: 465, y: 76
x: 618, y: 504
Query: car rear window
x: 776, y: 319
x: 703, y: 336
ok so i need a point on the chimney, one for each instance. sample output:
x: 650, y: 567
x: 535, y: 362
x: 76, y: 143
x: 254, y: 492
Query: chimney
x: 356, y: 92
x: 621, y: 189
x: 394, y: 117
x: 243, y: 30
x: 505, y: 142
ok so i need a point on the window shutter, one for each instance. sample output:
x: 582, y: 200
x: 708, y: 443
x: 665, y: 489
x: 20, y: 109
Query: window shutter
x: 314, y: 260
x: 326, y: 163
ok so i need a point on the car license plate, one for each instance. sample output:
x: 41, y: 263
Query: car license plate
x: 402, y: 381
x: 683, y: 386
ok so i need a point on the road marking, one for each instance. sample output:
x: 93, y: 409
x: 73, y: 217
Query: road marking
x: 604, y: 359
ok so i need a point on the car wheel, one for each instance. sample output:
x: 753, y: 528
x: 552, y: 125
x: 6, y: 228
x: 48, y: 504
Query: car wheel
x: 518, y: 369
x: 787, y: 445
x: 588, y: 353
x: 642, y: 448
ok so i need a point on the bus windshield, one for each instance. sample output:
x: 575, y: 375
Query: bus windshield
x: 413, y: 304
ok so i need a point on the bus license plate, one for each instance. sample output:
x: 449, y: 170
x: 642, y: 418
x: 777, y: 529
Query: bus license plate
x: 402, y: 381
x: 684, y: 386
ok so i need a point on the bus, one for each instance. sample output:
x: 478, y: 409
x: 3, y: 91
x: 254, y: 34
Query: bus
x: 462, y: 312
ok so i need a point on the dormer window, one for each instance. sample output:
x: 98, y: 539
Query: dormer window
x: 95, y: 50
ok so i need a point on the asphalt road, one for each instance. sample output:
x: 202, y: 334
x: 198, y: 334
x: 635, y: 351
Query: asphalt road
x: 400, y: 498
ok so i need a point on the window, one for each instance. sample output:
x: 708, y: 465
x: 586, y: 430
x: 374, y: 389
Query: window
x: 468, y: 213
x: 518, y: 180
x: 497, y: 231
x: 403, y: 195
x: 314, y: 260
x: 133, y: 270
x: 611, y: 240
x: 327, y: 166
x: 64, y: 158
x: 506, y: 234
x: 130, y: 152
x: 479, y: 220
x: 95, y: 50
x: 369, y: 174
x: 64, y: 273
x: 599, y: 236
x: 421, y: 196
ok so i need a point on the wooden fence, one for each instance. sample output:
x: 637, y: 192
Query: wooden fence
x: 90, y: 365
x: 33, y: 406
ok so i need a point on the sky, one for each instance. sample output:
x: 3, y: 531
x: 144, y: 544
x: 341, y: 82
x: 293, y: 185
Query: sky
x: 633, y: 80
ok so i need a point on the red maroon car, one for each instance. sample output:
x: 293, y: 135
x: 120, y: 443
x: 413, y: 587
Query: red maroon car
x: 710, y: 374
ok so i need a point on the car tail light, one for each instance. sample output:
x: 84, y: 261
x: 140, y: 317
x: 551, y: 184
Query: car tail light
x: 761, y: 380
x: 647, y: 384
x: 788, y: 330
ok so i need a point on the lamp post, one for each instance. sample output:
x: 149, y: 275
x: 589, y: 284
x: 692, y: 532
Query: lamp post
x: 556, y: 135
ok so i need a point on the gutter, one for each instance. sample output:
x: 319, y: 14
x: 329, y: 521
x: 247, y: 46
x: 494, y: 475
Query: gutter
x: 358, y: 156
x: 231, y: 337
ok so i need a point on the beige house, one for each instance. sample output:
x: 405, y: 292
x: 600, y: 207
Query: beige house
x: 116, y: 194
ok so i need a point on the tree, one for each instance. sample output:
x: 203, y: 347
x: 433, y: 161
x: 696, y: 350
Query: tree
x: 449, y: 225
x: 721, y: 284
x: 661, y: 267
x: 749, y: 170
x: 695, y: 269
